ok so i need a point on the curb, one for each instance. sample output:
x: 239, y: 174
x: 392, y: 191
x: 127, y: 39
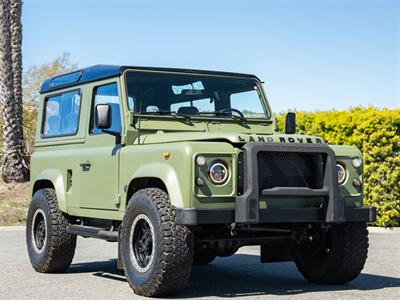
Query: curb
x: 12, y: 228
x: 384, y: 230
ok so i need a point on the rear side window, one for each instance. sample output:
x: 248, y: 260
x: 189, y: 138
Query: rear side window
x: 61, y: 114
x: 107, y: 94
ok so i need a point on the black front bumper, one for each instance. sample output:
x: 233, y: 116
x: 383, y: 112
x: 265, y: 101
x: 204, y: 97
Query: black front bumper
x: 247, y: 205
x: 247, y: 209
x: 192, y: 216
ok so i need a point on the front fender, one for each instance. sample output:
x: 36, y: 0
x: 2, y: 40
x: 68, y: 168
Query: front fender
x: 346, y: 151
x: 168, y: 175
x: 174, y: 169
x: 56, y: 178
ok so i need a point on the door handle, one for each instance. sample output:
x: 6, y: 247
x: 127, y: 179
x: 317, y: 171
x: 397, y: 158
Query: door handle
x: 85, y: 166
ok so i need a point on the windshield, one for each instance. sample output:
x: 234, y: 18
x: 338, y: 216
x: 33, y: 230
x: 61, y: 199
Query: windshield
x: 195, y: 95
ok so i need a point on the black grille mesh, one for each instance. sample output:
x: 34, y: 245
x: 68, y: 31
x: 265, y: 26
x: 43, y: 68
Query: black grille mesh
x: 290, y: 169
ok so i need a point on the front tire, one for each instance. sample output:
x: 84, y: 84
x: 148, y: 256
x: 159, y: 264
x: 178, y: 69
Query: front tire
x: 336, y: 256
x: 156, y: 253
x: 50, y: 248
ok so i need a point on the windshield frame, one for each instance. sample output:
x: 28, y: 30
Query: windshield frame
x: 260, y: 90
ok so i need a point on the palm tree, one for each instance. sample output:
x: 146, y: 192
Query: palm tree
x: 14, y: 163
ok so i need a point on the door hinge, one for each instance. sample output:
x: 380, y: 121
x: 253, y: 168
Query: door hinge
x: 117, y: 199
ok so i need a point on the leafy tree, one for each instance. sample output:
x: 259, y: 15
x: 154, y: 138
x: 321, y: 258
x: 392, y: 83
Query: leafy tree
x: 36, y: 74
x: 32, y: 80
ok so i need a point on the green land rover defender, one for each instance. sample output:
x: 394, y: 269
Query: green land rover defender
x: 181, y: 166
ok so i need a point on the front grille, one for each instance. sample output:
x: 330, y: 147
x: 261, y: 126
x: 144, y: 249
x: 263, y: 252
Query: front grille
x: 290, y: 169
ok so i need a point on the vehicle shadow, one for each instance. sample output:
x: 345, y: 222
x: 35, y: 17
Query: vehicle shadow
x: 244, y: 275
x: 105, y: 269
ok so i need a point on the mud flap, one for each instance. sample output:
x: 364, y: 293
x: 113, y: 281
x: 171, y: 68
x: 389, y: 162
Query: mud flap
x: 119, y: 261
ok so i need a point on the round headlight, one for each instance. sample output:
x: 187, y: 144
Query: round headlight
x: 218, y: 172
x: 341, y: 172
x: 200, y: 160
x: 356, y: 162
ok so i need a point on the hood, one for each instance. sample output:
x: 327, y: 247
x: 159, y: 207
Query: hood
x: 234, y: 138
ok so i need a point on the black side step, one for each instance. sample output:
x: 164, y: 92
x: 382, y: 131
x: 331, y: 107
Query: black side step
x: 93, y: 232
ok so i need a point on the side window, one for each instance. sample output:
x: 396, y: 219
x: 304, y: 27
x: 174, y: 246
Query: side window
x: 61, y: 114
x: 107, y: 94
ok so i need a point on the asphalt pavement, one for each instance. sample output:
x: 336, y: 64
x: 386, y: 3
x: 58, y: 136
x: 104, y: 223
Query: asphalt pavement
x: 93, y: 274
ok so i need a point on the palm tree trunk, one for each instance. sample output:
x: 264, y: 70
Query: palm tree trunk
x: 14, y: 165
x: 16, y: 56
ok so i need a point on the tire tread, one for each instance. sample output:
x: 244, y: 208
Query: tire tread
x: 61, y: 245
x: 349, y: 264
x: 174, y: 264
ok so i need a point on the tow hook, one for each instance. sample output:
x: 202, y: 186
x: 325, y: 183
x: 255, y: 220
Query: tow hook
x: 233, y: 229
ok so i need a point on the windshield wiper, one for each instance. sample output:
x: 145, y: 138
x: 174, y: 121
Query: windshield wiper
x: 166, y: 112
x: 227, y: 112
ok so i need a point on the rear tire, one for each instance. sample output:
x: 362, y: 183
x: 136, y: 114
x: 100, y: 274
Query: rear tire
x: 50, y: 248
x: 335, y: 257
x: 156, y: 253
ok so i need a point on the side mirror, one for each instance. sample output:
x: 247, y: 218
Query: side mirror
x: 102, y: 116
x: 290, y: 127
x: 103, y: 121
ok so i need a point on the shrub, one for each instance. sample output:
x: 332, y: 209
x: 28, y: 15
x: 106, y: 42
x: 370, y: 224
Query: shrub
x: 377, y: 133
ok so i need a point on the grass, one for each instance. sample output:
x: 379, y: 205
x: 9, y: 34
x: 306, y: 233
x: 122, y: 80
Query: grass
x: 14, y: 200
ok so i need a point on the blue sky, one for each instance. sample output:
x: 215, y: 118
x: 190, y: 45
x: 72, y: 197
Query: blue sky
x: 312, y: 55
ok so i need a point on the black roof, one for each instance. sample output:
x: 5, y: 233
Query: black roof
x: 97, y: 72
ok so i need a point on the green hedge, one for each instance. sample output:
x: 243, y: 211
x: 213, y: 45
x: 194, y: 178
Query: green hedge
x: 377, y: 133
